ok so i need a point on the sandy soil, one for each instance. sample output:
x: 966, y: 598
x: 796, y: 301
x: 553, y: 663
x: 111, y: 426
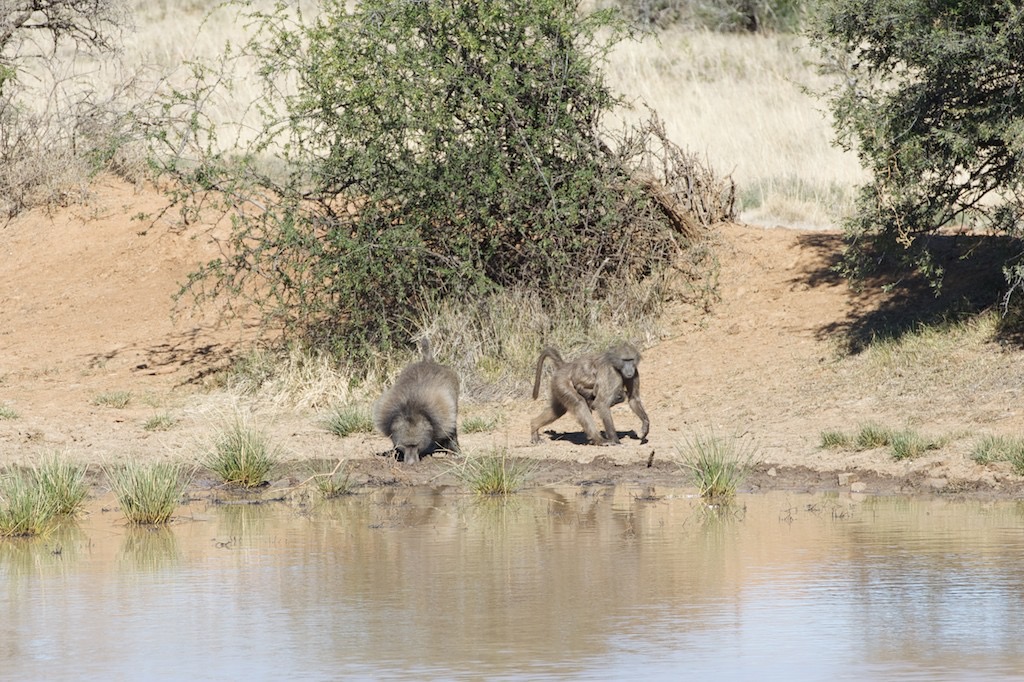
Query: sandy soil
x: 85, y: 309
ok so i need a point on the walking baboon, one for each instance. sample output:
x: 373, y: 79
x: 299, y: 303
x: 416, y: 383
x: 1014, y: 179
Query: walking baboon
x: 420, y: 411
x: 593, y: 382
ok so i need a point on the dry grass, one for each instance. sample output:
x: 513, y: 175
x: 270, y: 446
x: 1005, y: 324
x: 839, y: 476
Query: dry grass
x: 741, y: 101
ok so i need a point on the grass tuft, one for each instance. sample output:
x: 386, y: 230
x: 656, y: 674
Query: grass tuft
x: 7, y: 413
x: 242, y: 455
x: 908, y: 444
x: 835, y: 440
x: 344, y: 420
x: 494, y: 473
x: 998, y: 449
x: 116, y: 399
x: 333, y: 482
x: 24, y: 508
x: 479, y: 424
x: 715, y: 465
x: 148, y: 493
x: 63, y: 483
x: 873, y: 436
x: 159, y: 422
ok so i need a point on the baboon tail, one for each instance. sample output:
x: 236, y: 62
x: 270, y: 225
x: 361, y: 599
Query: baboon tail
x: 555, y: 356
x: 426, y: 350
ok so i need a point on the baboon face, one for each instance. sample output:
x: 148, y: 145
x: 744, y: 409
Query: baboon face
x: 625, y: 360
x: 412, y: 436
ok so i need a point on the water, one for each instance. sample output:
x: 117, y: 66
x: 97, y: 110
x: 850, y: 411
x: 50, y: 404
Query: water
x: 597, y: 583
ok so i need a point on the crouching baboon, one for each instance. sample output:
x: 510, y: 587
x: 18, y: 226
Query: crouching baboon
x: 420, y: 412
x: 593, y: 382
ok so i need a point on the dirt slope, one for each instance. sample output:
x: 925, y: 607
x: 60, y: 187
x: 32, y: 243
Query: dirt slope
x: 85, y: 309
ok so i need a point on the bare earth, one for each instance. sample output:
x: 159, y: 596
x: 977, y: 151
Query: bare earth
x: 85, y: 309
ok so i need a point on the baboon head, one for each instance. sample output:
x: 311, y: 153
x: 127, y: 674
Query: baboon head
x: 412, y: 435
x: 624, y: 359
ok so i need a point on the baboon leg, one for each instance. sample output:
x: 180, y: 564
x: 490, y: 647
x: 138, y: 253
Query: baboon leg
x: 552, y: 412
x: 581, y: 411
x: 609, y: 426
x: 638, y: 410
x: 451, y: 443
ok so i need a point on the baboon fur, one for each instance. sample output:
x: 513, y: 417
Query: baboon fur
x: 420, y: 411
x: 592, y: 382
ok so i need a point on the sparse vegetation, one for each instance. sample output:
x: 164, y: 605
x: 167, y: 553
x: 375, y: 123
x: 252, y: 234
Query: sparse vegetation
x: 242, y: 455
x: 905, y: 443
x: 716, y: 465
x: 7, y: 412
x: 494, y: 472
x: 58, y: 128
x: 344, y: 420
x: 479, y: 424
x: 160, y: 422
x: 833, y: 439
x: 116, y: 399
x: 998, y: 449
x: 332, y: 482
x: 908, y: 444
x: 872, y: 435
x: 148, y: 493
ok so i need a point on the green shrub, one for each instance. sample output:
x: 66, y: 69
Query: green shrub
x: 242, y: 455
x: 489, y: 170
x: 928, y: 95
x: 148, y: 493
x: 715, y: 465
x: 7, y: 412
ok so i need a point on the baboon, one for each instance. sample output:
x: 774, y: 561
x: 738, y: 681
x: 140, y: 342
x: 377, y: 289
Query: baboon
x: 593, y: 382
x: 420, y: 411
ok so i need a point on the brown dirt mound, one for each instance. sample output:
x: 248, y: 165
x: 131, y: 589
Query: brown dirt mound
x: 86, y: 303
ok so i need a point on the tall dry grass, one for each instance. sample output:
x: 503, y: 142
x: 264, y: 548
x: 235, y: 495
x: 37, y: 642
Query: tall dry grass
x: 743, y: 102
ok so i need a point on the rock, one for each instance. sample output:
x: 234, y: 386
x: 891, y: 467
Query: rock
x: 772, y: 472
x: 847, y: 478
x: 858, y: 487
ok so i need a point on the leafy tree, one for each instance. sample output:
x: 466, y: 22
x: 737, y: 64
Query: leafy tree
x: 930, y: 98
x: 427, y: 150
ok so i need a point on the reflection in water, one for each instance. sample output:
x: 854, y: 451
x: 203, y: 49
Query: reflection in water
x: 574, y: 582
x: 149, y: 548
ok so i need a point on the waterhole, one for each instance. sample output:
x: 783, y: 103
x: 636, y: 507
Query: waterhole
x: 574, y: 583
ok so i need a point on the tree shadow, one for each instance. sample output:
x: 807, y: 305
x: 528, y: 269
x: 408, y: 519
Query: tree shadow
x: 973, y: 282
x: 188, y: 351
